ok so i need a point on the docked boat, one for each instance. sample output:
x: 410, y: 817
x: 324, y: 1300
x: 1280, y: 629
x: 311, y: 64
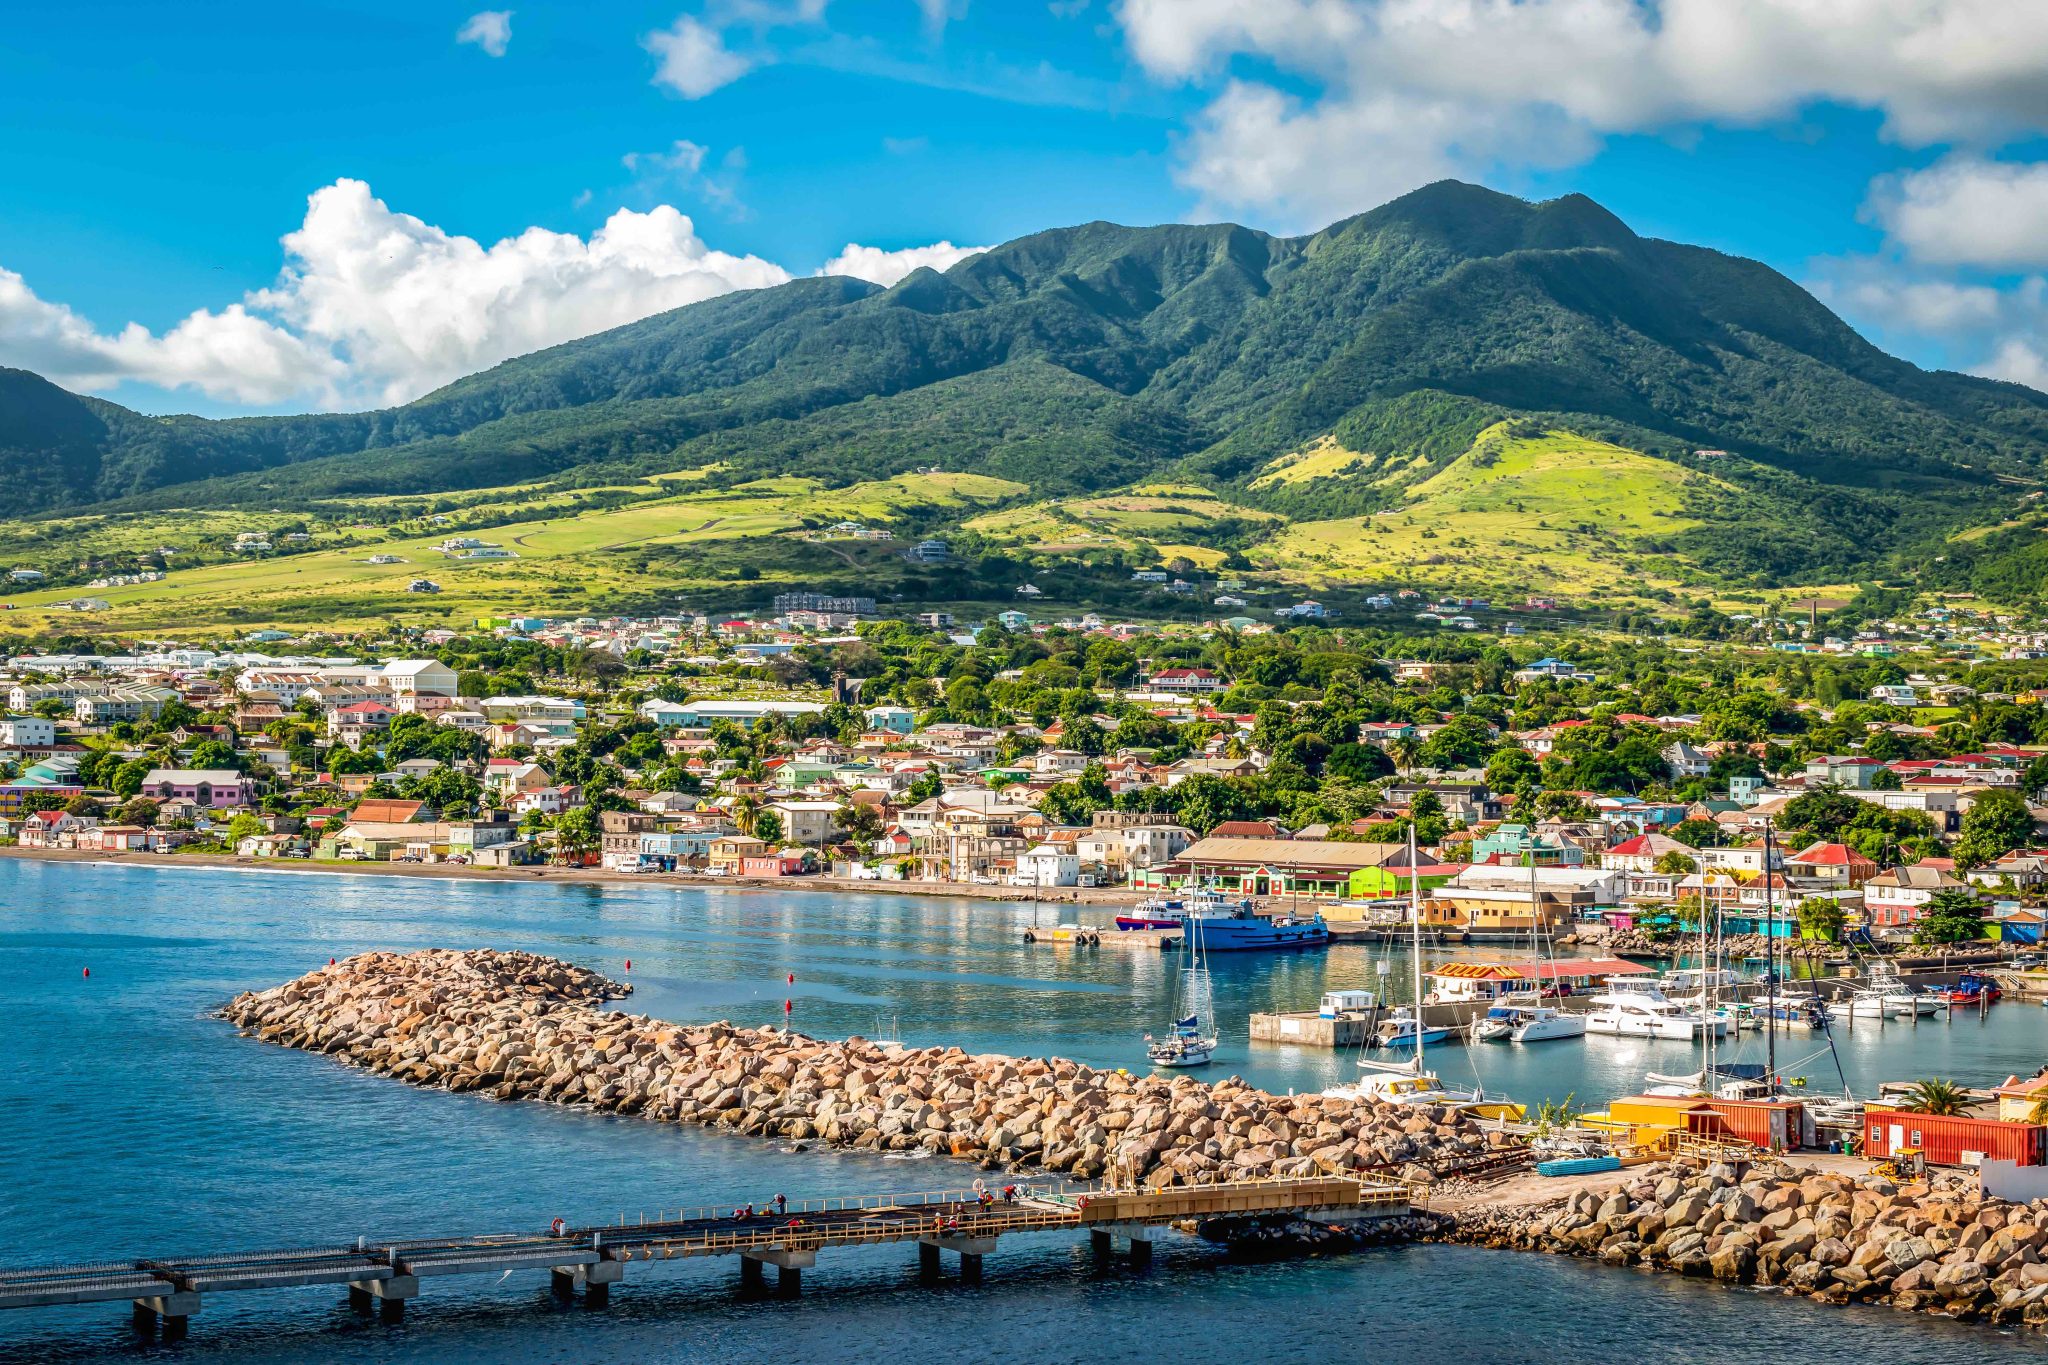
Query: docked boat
x: 1154, y: 913
x: 1971, y: 988
x: 1412, y: 1082
x: 1644, y: 1012
x: 1398, y: 1030
x: 1542, y: 1024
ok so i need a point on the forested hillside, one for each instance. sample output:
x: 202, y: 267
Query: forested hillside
x: 1092, y: 357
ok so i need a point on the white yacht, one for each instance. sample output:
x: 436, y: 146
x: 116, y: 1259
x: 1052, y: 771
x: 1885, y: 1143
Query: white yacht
x: 1520, y: 1023
x: 1643, y: 1012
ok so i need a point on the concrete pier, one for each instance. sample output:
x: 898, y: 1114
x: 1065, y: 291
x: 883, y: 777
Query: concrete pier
x: 384, y: 1276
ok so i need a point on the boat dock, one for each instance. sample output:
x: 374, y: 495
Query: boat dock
x: 382, y: 1274
x: 1091, y: 936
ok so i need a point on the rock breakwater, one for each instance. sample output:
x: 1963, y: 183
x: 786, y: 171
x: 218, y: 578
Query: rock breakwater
x: 517, y: 1026
x: 1943, y: 1248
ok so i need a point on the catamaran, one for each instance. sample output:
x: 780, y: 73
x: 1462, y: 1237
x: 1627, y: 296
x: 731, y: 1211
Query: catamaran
x: 1192, y: 1039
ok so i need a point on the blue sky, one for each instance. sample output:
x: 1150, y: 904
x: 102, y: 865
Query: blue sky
x: 227, y: 208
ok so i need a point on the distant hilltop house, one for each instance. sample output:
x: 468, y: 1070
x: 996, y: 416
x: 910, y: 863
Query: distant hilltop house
x: 1302, y: 611
x: 1710, y: 454
x: 1029, y: 590
x: 929, y: 552
x: 384, y: 559
x: 454, y: 543
x: 1562, y: 669
x: 1184, y: 680
x: 423, y: 585
x: 1148, y: 575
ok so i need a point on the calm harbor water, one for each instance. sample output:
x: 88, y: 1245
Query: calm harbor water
x: 133, y: 1123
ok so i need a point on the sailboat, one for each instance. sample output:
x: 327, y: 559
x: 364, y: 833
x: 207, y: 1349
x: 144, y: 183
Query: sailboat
x: 1186, y: 1043
x: 1409, y: 1082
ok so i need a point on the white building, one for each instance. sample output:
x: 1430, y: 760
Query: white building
x: 1047, y: 865
x: 32, y: 731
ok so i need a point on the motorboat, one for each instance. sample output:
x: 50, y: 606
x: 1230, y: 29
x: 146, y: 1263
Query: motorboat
x: 1229, y: 925
x: 1640, y: 1011
x: 1398, y: 1030
x: 1496, y: 1025
x: 1693, y: 981
x: 1971, y: 988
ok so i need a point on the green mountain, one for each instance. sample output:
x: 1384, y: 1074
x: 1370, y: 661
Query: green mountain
x: 1089, y: 358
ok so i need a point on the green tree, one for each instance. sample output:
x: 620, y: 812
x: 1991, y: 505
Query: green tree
x: 862, y: 824
x: 1951, y: 916
x: 577, y: 832
x: 140, y: 810
x: 242, y: 827
x: 1510, y: 766
x: 1697, y: 833
x: 1936, y: 1097
x: 1997, y: 822
x: 1677, y: 864
x: 768, y: 827
x: 1822, y: 917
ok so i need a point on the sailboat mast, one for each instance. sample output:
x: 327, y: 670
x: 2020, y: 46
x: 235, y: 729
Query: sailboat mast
x: 1706, y: 989
x: 1770, y: 963
x: 1415, y: 917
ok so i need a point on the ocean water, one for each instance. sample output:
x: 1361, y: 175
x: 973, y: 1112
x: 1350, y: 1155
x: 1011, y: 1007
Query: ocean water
x: 133, y: 1123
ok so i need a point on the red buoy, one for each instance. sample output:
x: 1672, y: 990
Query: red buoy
x: 629, y: 964
x: 792, y: 978
x: 88, y: 973
x: 330, y: 962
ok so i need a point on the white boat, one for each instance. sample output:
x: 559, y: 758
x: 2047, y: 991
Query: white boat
x: 1542, y: 1024
x: 1493, y: 1026
x: 1692, y: 981
x: 1192, y: 1039
x: 1643, y: 1012
x: 1398, y: 1030
x: 1411, y: 1082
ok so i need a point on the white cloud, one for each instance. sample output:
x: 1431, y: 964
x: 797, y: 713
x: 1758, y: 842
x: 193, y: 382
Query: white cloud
x: 230, y: 355
x: 938, y: 13
x: 2000, y: 333
x: 489, y: 29
x: 686, y: 168
x: 881, y: 267
x: 1965, y: 210
x: 377, y: 307
x: 1405, y: 90
x: 693, y: 58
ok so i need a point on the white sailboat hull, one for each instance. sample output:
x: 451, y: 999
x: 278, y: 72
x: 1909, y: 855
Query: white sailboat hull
x: 1551, y: 1029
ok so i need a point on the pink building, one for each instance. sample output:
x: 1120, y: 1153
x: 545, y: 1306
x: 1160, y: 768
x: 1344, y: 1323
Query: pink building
x: 215, y: 788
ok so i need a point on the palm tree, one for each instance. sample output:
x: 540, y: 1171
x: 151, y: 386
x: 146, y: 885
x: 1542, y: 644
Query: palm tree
x: 1937, y: 1097
x: 1405, y: 752
x: 743, y: 808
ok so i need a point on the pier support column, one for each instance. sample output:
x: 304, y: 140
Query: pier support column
x: 927, y: 1262
x: 596, y: 1281
x: 1139, y: 1234
x: 970, y: 1268
x: 1101, y: 1243
x: 969, y: 1249
x: 790, y: 1263
x: 172, y: 1312
x: 387, y: 1295
x: 752, y: 1283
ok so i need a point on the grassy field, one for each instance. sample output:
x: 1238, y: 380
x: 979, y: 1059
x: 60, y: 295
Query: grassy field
x: 1162, y: 520
x: 1556, y: 513
x: 583, y: 561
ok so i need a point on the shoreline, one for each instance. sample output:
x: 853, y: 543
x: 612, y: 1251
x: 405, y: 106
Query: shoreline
x: 1111, y: 897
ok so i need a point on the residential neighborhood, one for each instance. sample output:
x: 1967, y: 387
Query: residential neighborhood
x: 1619, y: 789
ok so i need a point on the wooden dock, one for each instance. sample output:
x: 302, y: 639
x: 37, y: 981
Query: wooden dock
x: 383, y: 1273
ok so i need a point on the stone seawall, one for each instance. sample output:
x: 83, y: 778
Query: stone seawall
x: 517, y: 1026
x: 1940, y: 1248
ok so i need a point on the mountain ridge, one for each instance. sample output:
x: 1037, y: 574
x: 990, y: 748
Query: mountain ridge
x: 1200, y: 350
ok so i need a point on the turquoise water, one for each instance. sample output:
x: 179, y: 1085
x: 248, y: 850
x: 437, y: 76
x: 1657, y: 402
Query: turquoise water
x: 132, y: 1123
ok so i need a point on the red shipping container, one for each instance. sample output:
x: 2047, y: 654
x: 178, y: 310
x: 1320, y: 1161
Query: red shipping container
x: 1774, y: 1125
x: 1951, y: 1140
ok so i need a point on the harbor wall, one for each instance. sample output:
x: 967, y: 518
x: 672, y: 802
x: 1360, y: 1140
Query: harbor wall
x: 515, y: 1026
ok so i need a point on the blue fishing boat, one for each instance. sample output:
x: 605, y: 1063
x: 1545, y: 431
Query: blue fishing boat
x: 1228, y: 926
